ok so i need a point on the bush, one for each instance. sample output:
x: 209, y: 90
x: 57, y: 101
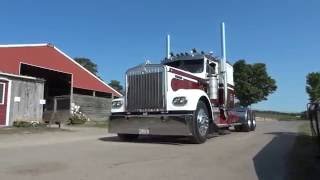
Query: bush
x: 22, y: 124
x: 77, y: 116
x: 77, y: 120
x: 27, y: 124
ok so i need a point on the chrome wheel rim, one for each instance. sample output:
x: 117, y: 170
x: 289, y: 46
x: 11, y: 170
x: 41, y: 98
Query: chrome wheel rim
x: 203, y: 122
x: 249, y: 122
x: 254, y: 123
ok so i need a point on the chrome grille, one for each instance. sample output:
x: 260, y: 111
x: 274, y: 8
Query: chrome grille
x: 145, y: 88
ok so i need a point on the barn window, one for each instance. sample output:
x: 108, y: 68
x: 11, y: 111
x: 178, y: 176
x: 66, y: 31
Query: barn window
x: 2, y: 90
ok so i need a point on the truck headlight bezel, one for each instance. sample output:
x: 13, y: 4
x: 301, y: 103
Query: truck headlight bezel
x: 117, y: 104
x: 180, y: 101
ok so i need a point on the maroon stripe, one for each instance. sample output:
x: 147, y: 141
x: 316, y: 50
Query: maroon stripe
x: 177, y: 84
x: 232, y: 117
x: 187, y: 75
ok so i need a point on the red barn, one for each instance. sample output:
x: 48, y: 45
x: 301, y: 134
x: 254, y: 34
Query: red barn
x: 65, y: 79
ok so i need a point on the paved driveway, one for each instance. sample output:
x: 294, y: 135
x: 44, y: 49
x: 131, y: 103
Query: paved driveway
x: 90, y: 153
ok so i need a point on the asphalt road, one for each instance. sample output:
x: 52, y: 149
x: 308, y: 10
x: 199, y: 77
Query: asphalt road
x: 90, y: 153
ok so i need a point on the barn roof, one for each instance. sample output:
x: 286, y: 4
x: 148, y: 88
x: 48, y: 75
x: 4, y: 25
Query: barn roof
x: 50, y: 57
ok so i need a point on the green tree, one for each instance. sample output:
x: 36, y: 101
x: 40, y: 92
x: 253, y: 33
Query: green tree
x: 252, y: 82
x: 88, y: 64
x: 116, y: 85
x: 313, y: 86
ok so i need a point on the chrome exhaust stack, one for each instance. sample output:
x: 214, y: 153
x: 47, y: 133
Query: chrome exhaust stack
x: 168, y: 47
x: 223, y: 69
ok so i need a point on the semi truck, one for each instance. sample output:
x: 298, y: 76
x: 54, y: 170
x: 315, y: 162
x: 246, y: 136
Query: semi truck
x: 187, y: 94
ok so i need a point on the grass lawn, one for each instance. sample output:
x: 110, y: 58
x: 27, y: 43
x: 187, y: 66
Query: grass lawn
x: 97, y: 124
x: 304, y: 129
x: 304, y: 159
x: 54, y: 128
x: 29, y: 130
x: 278, y: 116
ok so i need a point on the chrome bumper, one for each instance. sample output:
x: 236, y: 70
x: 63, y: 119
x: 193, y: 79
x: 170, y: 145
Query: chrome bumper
x: 168, y: 124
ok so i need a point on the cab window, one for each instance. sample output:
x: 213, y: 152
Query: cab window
x: 193, y: 66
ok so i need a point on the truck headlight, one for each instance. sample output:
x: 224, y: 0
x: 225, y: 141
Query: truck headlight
x: 179, y: 101
x: 116, y: 104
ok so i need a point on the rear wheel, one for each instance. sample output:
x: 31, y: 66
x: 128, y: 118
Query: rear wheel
x: 238, y: 128
x: 253, y: 121
x: 200, y: 124
x: 246, y: 126
x: 128, y: 137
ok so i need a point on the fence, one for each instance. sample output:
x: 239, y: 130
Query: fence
x: 57, y: 109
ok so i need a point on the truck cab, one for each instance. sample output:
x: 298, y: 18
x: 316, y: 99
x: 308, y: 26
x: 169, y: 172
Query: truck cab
x: 182, y: 96
x: 185, y: 95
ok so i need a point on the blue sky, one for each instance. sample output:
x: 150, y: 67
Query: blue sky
x: 120, y: 34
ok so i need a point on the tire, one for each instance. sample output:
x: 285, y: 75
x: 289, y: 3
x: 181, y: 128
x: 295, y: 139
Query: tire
x: 246, y: 126
x: 200, y: 124
x: 253, y: 121
x: 128, y: 137
x: 238, y: 128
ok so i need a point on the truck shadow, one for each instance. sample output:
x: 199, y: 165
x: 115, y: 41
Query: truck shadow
x: 285, y: 159
x: 153, y: 139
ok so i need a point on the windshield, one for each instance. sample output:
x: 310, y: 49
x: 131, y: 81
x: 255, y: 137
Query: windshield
x: 194, y: 66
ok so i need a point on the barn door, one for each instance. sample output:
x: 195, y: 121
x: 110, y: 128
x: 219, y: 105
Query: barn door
x: 3, y: 101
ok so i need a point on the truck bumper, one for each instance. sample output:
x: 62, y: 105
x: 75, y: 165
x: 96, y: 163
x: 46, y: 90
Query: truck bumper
x: 168, y: 124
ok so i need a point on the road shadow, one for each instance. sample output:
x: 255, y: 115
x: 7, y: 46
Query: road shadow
x: 304, y: 161
x: 155, y: 139
x: 284, y: 158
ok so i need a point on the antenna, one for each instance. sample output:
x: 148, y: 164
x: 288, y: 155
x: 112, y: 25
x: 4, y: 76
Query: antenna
x: 168, y: 47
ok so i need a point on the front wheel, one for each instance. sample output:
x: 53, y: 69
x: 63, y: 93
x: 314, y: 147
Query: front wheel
x: 200, y: 124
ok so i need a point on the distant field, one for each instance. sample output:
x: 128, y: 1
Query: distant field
x: 280, y: 115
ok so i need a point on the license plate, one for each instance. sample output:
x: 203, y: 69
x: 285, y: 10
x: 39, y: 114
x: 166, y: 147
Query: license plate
x: 144, y: 131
